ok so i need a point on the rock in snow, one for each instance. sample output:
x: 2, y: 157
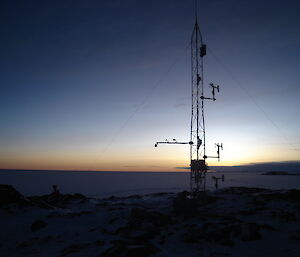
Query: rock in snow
x: 231, y: 222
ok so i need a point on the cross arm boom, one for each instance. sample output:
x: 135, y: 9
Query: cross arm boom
x: 174, y: 142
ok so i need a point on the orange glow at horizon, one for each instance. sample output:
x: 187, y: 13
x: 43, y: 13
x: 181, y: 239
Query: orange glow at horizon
x: 164, y: 159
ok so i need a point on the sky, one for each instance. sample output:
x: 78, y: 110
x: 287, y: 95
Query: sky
x: 92, y: 85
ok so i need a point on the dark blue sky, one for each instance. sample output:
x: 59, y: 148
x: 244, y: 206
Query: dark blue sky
x: 92, y: 84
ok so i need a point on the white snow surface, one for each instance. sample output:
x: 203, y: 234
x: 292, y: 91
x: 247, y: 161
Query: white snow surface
x: 104, y: 184
x: 102, y: 226
x: 97, y: 227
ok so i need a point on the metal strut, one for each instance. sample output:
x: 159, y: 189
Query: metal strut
x: 174, y: 142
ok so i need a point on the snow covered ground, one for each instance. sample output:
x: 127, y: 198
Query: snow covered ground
x: 232, y: 222
x: 128, y: 214
x: 104, y: 184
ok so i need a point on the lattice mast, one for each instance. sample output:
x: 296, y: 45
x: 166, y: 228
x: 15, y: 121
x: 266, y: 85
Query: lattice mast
x: 197, y: 136
x: 197, y: 130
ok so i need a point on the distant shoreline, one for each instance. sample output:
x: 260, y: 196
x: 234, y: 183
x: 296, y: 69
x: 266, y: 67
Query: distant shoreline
x: 112, y: 171
x: 280, y: 173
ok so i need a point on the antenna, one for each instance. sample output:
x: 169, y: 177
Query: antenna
x: 197, y: 129
x: 196, y: 10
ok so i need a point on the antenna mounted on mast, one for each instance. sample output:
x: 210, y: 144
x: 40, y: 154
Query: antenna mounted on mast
x: 196, y: 10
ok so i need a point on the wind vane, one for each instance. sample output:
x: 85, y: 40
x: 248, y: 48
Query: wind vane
x: 197, y: 141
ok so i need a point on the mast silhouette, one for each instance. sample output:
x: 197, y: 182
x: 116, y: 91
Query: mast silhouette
x: 198, y: 165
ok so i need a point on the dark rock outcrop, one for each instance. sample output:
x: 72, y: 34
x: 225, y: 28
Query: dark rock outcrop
x: 74, y: 248
x: 140, y: 215
x: 121, y: 248
x: 57, y: 200
x: 10, y: 196
x: 225, y: 234
x: 37, y: 225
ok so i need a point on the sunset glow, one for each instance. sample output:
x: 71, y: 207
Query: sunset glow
x: 83, y: 90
